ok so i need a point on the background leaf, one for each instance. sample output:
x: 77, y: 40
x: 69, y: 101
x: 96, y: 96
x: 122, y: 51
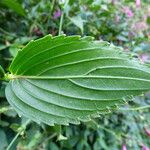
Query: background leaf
x: 78, y: 21
x: 3, y: 140
x: 14, y: 5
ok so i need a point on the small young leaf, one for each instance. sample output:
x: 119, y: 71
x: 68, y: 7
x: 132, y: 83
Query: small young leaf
x: 78, y: 21
x: 68, y: 79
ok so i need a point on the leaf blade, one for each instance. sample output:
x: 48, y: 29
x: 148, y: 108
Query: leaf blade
x: 72, y: 79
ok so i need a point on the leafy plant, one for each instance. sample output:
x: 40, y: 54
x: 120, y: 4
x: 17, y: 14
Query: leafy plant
x: 68, y: 79
x: 107, y: 20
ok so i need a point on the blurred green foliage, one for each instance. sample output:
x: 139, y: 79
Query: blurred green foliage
x: 121, y: 22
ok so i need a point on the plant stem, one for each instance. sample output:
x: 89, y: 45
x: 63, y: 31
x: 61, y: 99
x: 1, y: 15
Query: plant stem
x: 52, y: 6
x: 2, y: 74
x: 2, y: 70
x: 61, y: 23
x: 5, y: 32
x: 137, y: 108
x: 62, y: 16
x: 107, y: 130
x: 49, y: 138
x: 17, y: 135
x: 13, y: 141
x: 110, y: 131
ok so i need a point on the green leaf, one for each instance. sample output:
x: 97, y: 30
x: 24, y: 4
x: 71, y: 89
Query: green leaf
x: 68, y: 79
x: 78, y: 21
x: 3, y: 138
x: 148, y: 20
x: 14, y: 5
x: 2, y: 72
x: 2, y: 47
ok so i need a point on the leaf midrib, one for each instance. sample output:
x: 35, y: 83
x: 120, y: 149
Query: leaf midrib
x: 11, y: 76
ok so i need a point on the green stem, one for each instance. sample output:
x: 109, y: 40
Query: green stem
x: 49, y: 138
x: 17, y: 135
x: 62, y: 16
x: 52, y: 6
x: 61, y: 22
x: 137, y: 108
x: 13, y: 141
x: 118, y: 137
x: 107, y: 130
x: 2, y: 70
x: 111, y: 132
x: 2, y: 74
x: 5, y: 32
